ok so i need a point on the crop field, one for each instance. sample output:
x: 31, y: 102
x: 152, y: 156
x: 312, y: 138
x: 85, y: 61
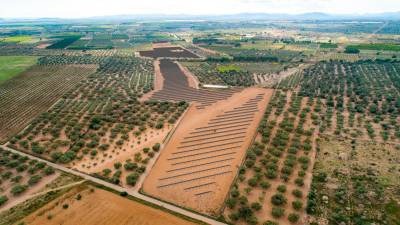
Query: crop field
x: 96, y: 206
x: 168, y: 52
x: 11, y: 66
x: 382, y: 47
x: 99, y: 126
x: 198, y: 164
x: 268, y: 55
x: 24, y: 97
x: 16, y: 39
x: 64, y: 42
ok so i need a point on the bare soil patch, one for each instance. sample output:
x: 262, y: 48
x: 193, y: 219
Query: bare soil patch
x: 97, y: 206
x: 198, y: 164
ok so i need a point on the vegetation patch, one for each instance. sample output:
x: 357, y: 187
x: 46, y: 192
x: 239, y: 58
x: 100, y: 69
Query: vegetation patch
x: 64, y: 42
x: 17, y: 39
x: 377, y: 47
x: 11, y: 66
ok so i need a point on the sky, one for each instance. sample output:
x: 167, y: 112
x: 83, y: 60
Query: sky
x: 90, y: 8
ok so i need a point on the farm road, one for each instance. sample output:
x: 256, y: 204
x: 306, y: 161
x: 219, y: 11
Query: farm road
x: 134, y: 192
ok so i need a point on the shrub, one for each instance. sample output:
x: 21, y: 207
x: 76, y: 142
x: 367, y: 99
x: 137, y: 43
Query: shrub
x: 18, y: 189
x: 156, y: 147
x: 265, y: 184
x: 277, y: 212
x: 3, y: 200
x: 299, y: 182
x: 249, y: 163
x: 234, y: 216
x: 297, y: 193
x: 245, y: 212
x: 269, y: 222
x: 16, y: 179
x: 243, y: 200
x: 106, y: 172
x: 65, y: 206
x: 293, y: 217
x: 132, y: 178
x: 130, y: 166
x: 56, y: 155
x: 252, y: 182
x: 256, y: 206
x: 49, y: 170
x: 34, y: 180
x: 235, y: 193
x: 231, y: 203
x: 282, y: 188
x: 271, y: 174
x: 252, y: 220
x: 117, y: 165
x: 278, y: 199
x: 297, y: 205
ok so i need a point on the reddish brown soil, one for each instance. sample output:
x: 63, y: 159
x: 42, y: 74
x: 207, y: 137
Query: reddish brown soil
x: 197, y: 166
x: 99, y: 207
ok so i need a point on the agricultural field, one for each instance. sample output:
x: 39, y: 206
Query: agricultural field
x: 99, y: 126
x: 239, y: 73
x: 16, y: 39
x: 200, y: 121
x: 89, y: 205
x: 199, y: 162
x: 274, y: 180
x: 24, y: 97
x: 220, y: 74
x: 11, y: 66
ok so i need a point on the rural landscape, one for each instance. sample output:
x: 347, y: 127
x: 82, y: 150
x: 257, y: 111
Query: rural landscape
x: 248, y: 118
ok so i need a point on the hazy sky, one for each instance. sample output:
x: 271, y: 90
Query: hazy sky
x: 88, y: 8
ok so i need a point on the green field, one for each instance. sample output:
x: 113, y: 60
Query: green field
x: 21, y: 38
x: 11, y: 66
x: 228, y: 68
x: 328, y: 45
x: 377, y: 47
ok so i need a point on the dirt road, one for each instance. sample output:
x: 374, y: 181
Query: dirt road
x: 131, y: 192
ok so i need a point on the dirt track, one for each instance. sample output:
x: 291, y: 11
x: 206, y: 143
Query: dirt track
x: 198, y: 165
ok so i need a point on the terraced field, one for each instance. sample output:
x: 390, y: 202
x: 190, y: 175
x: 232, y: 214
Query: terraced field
x: 199, y: 163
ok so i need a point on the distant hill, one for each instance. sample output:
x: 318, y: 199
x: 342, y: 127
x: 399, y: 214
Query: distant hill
x: 232, y: 17
x: 257, y: 16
